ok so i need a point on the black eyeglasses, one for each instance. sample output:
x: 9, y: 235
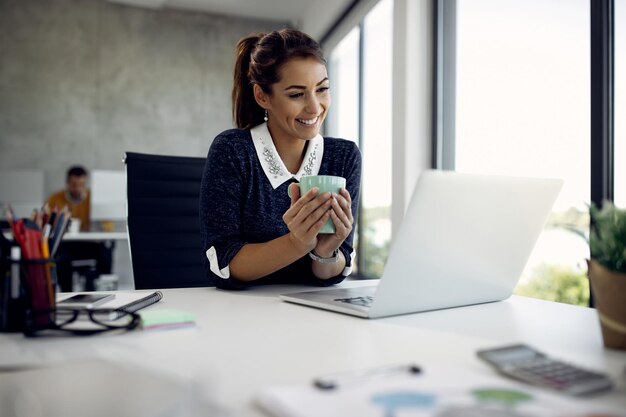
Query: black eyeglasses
x: 80, y: 322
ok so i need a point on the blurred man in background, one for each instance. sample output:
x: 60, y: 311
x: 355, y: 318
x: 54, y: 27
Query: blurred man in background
x: 75, y: 196
x: 86, y: 259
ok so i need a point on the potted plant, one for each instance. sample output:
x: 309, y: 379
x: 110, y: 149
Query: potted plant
x: 607, y: 271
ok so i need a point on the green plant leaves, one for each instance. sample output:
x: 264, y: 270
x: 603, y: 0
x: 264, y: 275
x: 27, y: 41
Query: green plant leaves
x: 607, y: 241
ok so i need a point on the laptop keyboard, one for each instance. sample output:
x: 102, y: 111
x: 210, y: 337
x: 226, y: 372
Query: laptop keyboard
x: 359, y: 301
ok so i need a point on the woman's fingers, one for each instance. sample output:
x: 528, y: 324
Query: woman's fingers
x: 298, y: 204
x: 308, y: 214
x: 313, y: 213
x: 346, y: 194
x: 343, y: 210
x: 294, y: 192
x: 305, y: 218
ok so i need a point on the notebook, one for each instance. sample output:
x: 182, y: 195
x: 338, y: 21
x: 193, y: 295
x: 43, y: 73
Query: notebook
x: 465, y: 239
x: 127, y: 301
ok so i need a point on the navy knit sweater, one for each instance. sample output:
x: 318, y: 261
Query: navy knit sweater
x: 239, y: 204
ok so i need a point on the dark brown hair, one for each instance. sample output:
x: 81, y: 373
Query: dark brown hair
x: 260, y: 57
x: 76, y: 171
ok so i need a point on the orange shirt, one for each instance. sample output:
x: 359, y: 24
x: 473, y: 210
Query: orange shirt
x: 79, y: 210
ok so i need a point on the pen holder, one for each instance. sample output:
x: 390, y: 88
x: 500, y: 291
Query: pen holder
x: 27, y: 294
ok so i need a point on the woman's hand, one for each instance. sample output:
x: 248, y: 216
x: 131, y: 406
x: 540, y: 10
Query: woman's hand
x: 306, y: 216
x: 341, y: 215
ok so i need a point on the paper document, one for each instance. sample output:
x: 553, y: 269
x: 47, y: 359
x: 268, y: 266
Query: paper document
x: 441, y: 393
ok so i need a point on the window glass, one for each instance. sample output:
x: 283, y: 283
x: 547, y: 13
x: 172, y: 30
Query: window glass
x: 522, y: 108
x: 376, y: 142
x: 343, y: 119
x: 346, y: 66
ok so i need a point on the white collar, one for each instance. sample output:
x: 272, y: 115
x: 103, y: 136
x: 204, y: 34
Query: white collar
x: 274, y: 167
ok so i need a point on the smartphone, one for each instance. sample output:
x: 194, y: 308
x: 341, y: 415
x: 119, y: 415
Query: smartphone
x: 526, y: 364
x: 85, y: 300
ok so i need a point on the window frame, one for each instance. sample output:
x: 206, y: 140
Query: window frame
x: 602, y: 100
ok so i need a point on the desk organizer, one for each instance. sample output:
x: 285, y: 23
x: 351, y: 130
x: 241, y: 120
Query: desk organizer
x: 27, y: 294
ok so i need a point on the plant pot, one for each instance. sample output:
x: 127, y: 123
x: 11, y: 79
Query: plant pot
x: 609, y: 294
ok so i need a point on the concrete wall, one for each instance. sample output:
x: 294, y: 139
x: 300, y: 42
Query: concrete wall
x: 83, y: 81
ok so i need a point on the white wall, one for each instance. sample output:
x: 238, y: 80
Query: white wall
x: 83, y: 81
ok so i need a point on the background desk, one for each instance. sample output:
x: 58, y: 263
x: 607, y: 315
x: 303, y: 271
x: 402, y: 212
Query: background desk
x: 247, y: 340
x: 122, y: 266
x: 95, y: 236
x: 85, y: 236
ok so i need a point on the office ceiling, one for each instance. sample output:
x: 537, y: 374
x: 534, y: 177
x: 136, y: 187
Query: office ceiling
x: 324, y: 12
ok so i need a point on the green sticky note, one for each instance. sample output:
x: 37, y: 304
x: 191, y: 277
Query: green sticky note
x: 166, y: 318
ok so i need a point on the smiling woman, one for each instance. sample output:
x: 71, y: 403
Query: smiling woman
x: 296, y: 112
x: 253, y: 231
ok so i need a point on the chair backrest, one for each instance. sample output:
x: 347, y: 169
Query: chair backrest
x: 163, y: 220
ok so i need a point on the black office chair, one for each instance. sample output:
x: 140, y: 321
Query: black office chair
x: 163, y: 220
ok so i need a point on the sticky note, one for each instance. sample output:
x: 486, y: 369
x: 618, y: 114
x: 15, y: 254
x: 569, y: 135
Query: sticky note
x: 166, y: 319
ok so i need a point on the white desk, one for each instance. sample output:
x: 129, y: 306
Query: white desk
x: 121, y: 255
x: 94, y: 236
x: 244, y: 341
x: 84, y: 236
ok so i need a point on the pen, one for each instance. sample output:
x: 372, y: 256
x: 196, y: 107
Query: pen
x: 18, y: 232
x: 53, y: 216
x: 45, y: 252
x: 45, y: 214
x: 334, y: 381
x: 10, y: 215
x: 59, y: 231
x: 32, y: 240
x: 37, y: 279
x: 45, y: 235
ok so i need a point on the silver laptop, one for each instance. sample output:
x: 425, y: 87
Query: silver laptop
x: 465, y: 239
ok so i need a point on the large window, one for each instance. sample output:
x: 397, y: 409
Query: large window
x: 526, y: 89
x: 343, y: 121
x: 522, y: 108
x: 360, y: 68
x: 376, y: 139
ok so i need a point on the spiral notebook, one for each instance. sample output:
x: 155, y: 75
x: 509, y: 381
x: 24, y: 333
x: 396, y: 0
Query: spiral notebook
x: 127, y: 301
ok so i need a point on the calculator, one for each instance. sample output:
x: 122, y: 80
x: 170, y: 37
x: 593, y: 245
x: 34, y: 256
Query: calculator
x: 524, y: 363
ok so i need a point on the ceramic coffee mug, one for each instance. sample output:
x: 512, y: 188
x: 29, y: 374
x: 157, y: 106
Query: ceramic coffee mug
x: 325, y: 183
x: 74, y: 226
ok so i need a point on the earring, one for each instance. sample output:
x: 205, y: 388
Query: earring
x: 265, y: 117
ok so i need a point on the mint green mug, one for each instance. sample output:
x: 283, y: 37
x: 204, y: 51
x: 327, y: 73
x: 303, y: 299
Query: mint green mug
x: 325, y: 184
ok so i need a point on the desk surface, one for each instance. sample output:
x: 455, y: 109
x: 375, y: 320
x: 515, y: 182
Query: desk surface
x: 94, y: 236
x: 84, y: 236
x: 245, y: 341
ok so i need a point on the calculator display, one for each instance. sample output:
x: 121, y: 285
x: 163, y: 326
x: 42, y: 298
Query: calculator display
x: 509, y: 355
